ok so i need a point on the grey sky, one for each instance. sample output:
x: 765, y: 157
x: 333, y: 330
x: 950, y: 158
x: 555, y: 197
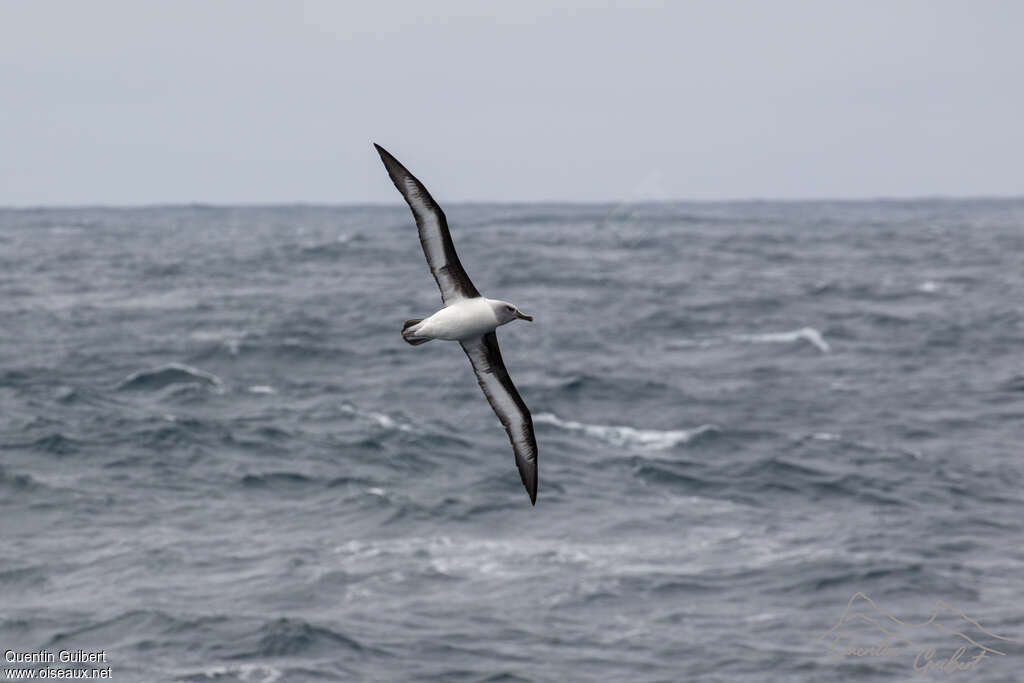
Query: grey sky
x: 141, y: 102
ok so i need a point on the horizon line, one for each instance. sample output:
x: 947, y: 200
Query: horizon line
x: 512, y: 202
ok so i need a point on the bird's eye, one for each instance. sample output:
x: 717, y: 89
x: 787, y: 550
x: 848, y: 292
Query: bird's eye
x: 509, y: 308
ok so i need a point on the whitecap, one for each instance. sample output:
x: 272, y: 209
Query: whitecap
x: 620, y: 435
x: 704, y: 549
x: 382, y: 420
x: 804, y: 333
x: 215, y: 334
x: 229, y: 338
x: 244, y: 672
x: 262, y: 389
x: 825, y: 436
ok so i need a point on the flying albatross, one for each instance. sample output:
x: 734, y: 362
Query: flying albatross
x: 468, y: 318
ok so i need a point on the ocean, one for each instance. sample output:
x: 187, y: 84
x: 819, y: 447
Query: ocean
x: 778, y: 441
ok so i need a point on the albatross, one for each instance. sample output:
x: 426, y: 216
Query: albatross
x: 468, y: 318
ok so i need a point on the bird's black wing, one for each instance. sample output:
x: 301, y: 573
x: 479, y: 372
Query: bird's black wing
x: 490, y: 370
x: 434, y: 236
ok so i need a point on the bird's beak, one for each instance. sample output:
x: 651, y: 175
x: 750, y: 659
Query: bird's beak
x: 523, y: 316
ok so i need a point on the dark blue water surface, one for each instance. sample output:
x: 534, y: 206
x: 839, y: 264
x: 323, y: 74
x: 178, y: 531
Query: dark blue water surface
x: 220, y: 462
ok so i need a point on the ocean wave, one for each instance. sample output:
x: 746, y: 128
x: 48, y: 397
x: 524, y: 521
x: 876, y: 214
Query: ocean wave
x: 816, y: 482
x: 465, y: 556
x: 327, y: 249
x: 71, y: 395
x: 250, y: 673
x: 691, y: 343
x: 57, y: 444
x: 277, y: 480
x: 863, y: 451
x: 380, y: 419
x: 23, y: 578
x: 285, y: 637
x: 17, y: 482
x: 884, y: 290
x: 229, y: 339
x: 170, y: 431
x: 298, y: 348
x: 619, y: 435
x: 1015, y: 383
x: 252, y: 638
x: 644, y: 562
x: 133, y: 623
x: 825, y: 436
x: 670, y: 476
x: 808, y: 334
x: 164, y: 376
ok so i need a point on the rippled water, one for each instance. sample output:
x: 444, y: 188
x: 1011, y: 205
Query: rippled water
x: 220, y: 462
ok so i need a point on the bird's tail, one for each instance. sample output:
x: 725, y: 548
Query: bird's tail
x: 410, y: 336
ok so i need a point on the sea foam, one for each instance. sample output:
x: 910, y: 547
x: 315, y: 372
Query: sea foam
x: 620, y: 435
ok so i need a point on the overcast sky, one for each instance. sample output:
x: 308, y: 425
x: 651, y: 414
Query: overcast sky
x: 133, y: 102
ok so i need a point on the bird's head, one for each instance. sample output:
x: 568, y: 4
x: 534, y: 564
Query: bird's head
x: 506, y: 312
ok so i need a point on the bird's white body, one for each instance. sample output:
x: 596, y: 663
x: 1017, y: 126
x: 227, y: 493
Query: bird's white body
x: 465, y: 319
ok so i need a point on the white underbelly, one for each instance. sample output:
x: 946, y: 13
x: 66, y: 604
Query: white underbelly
x: 466, y: 319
